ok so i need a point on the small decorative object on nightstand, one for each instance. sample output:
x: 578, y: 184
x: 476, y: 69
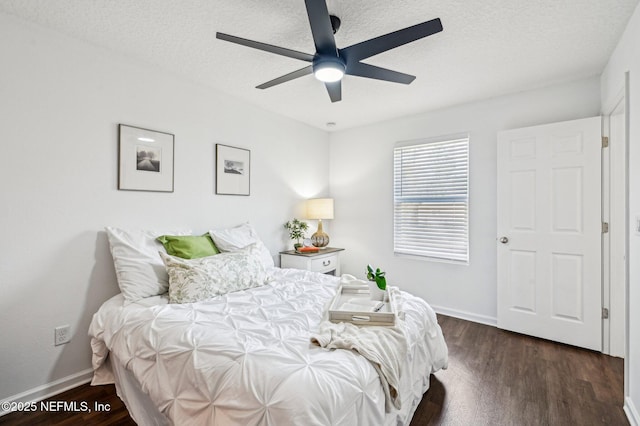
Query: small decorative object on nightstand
x: 320, y: 208
x: 296, y: 230
x: 325, y: 261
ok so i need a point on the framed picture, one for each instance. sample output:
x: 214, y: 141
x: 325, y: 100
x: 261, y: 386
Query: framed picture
x: 145, y: 159
x: 233, y: 170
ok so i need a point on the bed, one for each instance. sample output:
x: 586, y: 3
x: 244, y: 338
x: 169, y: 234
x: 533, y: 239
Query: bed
x: 246, y: 357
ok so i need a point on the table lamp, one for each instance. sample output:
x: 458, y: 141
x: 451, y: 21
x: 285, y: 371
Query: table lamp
x: 320, y: 208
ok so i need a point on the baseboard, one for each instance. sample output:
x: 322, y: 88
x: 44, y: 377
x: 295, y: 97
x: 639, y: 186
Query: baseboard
x: 482, y: 319
x: 631, y: 412
x: 50, y: 389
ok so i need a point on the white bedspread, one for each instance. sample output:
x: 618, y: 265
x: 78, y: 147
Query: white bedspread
x: 246, y: 358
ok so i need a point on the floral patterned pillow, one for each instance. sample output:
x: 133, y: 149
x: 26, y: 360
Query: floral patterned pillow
x: 193, y: 280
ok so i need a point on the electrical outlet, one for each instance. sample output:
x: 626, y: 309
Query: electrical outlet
x: 62, y: 335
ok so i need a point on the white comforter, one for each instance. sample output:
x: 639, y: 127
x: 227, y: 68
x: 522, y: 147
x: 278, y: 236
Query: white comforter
x: 245, y: 358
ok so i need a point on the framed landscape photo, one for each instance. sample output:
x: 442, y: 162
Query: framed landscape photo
x: 233, y: 170
x: 145, y: 159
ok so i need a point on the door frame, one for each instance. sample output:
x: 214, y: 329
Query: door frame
x: 614, y: 336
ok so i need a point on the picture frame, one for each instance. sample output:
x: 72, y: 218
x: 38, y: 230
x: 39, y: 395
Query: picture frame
x: 233, y: 170
x: 145, y: 159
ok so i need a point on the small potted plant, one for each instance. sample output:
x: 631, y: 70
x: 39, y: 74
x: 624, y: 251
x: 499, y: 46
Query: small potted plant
x: 297, y: 231
x: 377, y: 283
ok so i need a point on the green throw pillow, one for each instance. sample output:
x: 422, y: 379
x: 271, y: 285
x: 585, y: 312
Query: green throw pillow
x: 189, y: 246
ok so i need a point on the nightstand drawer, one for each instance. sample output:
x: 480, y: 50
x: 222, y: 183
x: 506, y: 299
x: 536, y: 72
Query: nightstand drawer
x: 325, y: 263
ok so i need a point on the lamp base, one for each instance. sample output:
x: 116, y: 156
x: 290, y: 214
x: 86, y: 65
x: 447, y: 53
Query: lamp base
x: 320, y: 238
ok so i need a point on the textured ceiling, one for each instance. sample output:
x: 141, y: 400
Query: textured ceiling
x: 487, y: 48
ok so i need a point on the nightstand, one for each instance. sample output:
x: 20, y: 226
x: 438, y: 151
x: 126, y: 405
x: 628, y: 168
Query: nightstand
x: 326, y: 261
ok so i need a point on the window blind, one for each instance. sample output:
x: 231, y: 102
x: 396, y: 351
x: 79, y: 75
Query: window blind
x: 431, y: 199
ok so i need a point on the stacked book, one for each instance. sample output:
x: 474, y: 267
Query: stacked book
x: 308, y: 249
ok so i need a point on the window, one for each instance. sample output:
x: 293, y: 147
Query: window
x: 431, y: 199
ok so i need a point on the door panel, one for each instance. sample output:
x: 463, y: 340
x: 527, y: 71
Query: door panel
x: 549, y: 203
x: 522, y: 287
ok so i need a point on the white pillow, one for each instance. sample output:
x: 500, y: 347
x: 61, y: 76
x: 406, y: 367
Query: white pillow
x: 194, y: 280
x: 139, y: 269
x: 239, y: 237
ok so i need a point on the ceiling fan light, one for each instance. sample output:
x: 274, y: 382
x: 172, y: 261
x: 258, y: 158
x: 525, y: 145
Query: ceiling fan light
x: 329, y: 75
x: 329, y: 71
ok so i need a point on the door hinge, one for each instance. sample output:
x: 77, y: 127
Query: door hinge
x: 605, y: 313
x: 605, y: 227
x: 605, y: 141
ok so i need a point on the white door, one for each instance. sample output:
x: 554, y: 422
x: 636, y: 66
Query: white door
x: 549, y: 232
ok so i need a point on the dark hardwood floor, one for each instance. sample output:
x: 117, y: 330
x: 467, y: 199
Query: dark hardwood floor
x: 494, y: 378
x: 117, y: 414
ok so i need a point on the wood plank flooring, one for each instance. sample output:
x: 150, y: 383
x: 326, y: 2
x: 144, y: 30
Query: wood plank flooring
x: 494, y: 378
x: 117, y: 415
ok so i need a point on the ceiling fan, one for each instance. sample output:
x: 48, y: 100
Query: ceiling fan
x: 329, y: 64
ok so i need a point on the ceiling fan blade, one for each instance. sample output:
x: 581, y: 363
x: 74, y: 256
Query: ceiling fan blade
x: 371, y: 71
x: 366, y: 49
x: 266, y: 47
x: 287, y: 77
x: 321, y: 29
x: 335, y: 91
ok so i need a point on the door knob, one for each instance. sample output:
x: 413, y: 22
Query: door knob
x: 504, y: 240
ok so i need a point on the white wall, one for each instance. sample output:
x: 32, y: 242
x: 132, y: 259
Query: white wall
x: 60, y: 103
x: 626, y: 58
x: 361, y: 180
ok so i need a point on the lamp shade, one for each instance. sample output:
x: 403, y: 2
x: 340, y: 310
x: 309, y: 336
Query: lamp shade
x: 320, y: 208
